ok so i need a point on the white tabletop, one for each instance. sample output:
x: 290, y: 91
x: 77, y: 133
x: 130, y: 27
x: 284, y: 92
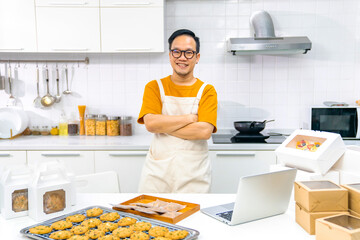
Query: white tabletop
x: 281, y: 227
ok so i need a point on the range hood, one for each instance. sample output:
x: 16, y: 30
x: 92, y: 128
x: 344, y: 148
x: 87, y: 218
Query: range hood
x: 265, y: 41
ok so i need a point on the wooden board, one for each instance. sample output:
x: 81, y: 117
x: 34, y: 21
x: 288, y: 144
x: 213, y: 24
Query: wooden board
x: 190, y: 208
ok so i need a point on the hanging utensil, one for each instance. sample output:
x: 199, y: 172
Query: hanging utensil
x: 2, y: 82
x: 12, y: 99
x: 67, y: 91
x: 58, y: 96
x: 47, y: 100
x: 37, y: 100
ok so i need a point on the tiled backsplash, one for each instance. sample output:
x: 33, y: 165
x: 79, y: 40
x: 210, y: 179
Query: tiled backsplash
x: 249, y: 87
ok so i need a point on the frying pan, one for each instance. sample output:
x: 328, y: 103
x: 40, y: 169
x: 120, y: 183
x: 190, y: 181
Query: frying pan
x: 250, y: 126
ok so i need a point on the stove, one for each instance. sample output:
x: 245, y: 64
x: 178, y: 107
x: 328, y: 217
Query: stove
x: 238, y: 138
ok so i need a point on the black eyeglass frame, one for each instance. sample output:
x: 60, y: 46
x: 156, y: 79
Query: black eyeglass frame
x: 183, y: 52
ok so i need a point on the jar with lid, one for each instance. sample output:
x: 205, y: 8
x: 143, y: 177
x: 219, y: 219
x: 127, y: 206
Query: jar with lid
x: 90, y: 124
x: 35, y: 130
x: 125, y: 125
x: 101, y: 125
x: 73, y: 128
x: 113, y: 126
x: 45, y: 131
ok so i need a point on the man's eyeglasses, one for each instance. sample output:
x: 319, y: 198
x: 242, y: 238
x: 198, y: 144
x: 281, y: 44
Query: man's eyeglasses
x: 189, y: 54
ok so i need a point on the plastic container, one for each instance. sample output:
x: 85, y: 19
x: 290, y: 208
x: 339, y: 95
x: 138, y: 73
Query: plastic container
x: 101, y: 125
x: 125, y: 126
x: 113, y: 126
x: 90, y: 124
x: 63, y: 125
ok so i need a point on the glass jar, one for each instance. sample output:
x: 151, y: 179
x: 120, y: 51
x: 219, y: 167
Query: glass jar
x: 113, y: 126
x: 101, y: 125
x: 45, y: 131
x: 125, y: 126
x: 90, y: 124
x: 73, y: 128
x: 35, y: 130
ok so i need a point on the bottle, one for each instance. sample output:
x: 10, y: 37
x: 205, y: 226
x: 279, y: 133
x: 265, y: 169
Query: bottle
x: 63, y: 125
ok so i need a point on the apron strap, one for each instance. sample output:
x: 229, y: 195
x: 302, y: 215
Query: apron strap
x: 201, y: 90
x: 161, y: 87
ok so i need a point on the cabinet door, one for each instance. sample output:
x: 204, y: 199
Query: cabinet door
x: 68, y: 29
x: 229, y: 166
x: 17, y: 26
x: 78, y: 162
x: 12, y: 157
x: 136, y: 29
x: 128, y: 165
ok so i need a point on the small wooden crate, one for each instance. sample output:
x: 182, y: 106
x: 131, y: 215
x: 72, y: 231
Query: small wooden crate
x: 190, y: 208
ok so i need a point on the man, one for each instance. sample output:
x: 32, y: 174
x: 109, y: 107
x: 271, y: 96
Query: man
x: 181, y: 111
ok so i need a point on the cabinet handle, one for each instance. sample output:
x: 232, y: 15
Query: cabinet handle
x: 128, y: 153
x: 68, y: 3
x: 132, y: 49
x: 237, y: 153
x: 70, y: 49
x: 60, y: 154
x: 12, y: 49
x: 5, y: 155
x: 131, y: 3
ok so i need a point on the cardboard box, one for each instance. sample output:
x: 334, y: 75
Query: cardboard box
x: 14, y: 186
x: 349, y: 161
x: 321, y: 196
x: 354, y: 196
x: 354, y: 213
x: 307, y: 220
x: 315, y: 159
x: 340, y: 227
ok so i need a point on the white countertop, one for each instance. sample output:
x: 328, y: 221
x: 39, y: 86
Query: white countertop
x: 280, y: 227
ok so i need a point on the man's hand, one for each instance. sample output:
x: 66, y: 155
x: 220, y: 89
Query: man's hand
x: 194, y: 131
x: 158, y: 123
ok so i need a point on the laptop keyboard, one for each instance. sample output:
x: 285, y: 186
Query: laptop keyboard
x: 226, y: 215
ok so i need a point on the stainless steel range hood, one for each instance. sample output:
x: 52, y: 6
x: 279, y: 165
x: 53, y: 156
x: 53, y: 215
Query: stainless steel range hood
x: 265, y: 41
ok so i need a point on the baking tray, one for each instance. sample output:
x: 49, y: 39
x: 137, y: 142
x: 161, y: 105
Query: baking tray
x: 193, y: 234
x: 190, y: 208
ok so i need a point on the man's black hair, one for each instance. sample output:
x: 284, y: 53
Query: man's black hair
x: 184, y: 32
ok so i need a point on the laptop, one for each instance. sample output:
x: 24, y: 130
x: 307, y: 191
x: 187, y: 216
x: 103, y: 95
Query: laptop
x: 259, y: 196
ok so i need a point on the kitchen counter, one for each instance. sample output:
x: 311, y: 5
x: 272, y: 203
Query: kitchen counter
x: 280, y: 227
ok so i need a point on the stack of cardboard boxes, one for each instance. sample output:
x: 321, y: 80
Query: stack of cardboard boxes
x: 318, y: 199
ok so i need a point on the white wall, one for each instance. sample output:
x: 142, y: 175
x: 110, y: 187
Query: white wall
x: 256, y: 88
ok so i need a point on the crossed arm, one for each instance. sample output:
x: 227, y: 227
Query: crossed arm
x: 181, y: 126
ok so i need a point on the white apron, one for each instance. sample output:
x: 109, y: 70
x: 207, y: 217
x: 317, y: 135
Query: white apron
x: 175, y: 165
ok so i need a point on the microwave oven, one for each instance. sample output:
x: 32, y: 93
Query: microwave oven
x: 343, y: 120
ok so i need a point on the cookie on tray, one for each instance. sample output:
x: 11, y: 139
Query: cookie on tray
x: 91, y: 222
x: 142, y: 226
x: 61, y: 235
x: 76, y: 218
x: 80, y: 229
x: 158, y: 231
x: 178, y: 234
x: 107, y: 226
x: 94, y: 212
x: 123, y: 232
x: 95, y: 233
x: 41, y: 229
x: 61, y: 225
x: 139, y: 236
x: 126, y: 221
x: 109, y: 237
x: 79, y: 237
x: 111, y: 216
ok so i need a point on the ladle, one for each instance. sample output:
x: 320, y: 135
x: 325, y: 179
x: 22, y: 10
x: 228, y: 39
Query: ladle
x: 58, y: 96
x: 67, y: 91
x: 47, y: 100
x: 12, y: 99
x: 37, y: 100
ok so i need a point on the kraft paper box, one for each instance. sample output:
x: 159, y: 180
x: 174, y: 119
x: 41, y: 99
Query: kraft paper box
x: 307, y: 220
x: 321, y: 196
x: 354, y: 213
x: 354, y: 196
x: 312, y: 151
x: 339, y: 227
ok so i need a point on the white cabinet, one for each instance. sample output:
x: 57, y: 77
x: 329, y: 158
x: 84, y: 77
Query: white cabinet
x: 132, y: 26
x: 12, y: 157
x: 128, y: 165
x: 78, y: 162
x: 229, y: 166
x: 68, y: 26
x: 17, y: 26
